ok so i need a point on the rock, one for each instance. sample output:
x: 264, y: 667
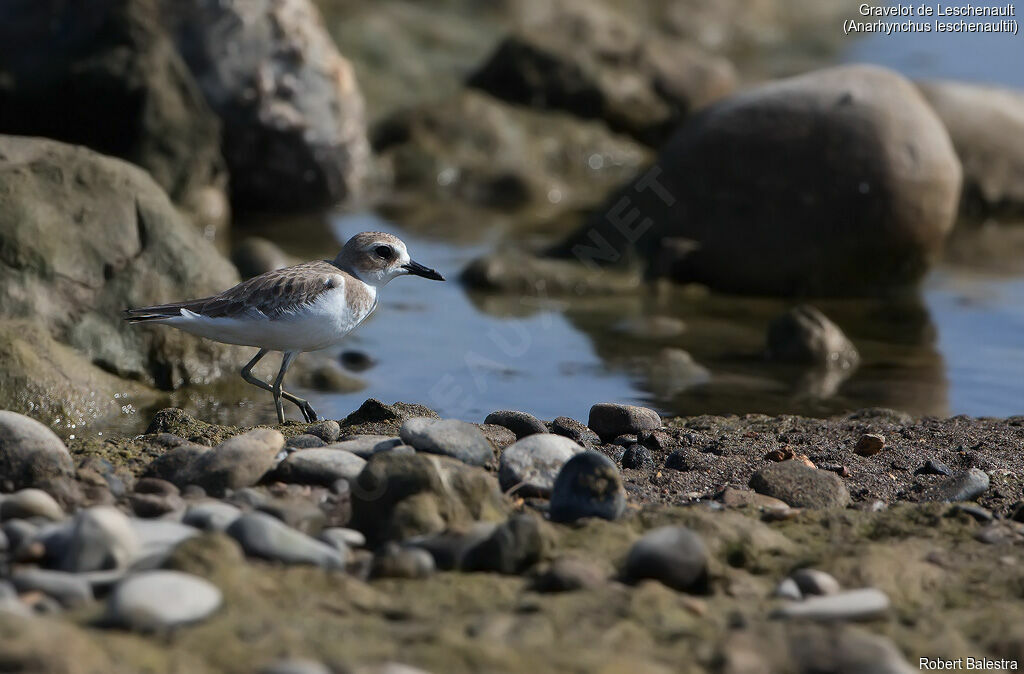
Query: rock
x: 304, y: 441
x: 788, y: 589
x: 294, y: 132
x: 575, y: 431
x: 870, y: 444
x: 838, y: 648
x: 746, y: 184
x: 735, y: 498
x: 356, y: 361
x: 449, y: 548
x: 673, y: 555
x: 65, y: 352
x: 255, y: 255
x: 375, y: 418
x: 588, y: 485
x: 965, y: 485
x: 932, y: 467
x: 266, y: 537
x: 609, y: 420
x: 625, y: 440
x: 295, y: 666
x: 341, y: 537
x: 159, y: 600
x: 132, y: 95
x: 815, y: 582
x: 637, y: 457
x: 237, y: 462
x: 673, y: 371
x: 449, y: 437
x: 513, y: 547
x: 687, y: 459
x: 986, y: 125
x: 975, y: 512
x: 319, y: 466
x: 806, y: 336
x: 71, y: 590
x: 567, y: 574
x: 862, y: 604
x: 211, y: 515
x: 537, y: 164
x: 651, y: 327
x: 365, y: 446
x: 157, y: 540
x: 531, y: 465
x: 499, y: 436
x: 27, y: 503
x: 598, y: 64
x: 299, y: 512
x: 17, y: 532
x: 801, y: 486
x: 395, y: 561
x: 100, y: 537
x: 30, y: 453
x: 520, y: 423
x: 328, y: 430
x: 154, y: 497
x: 398, y: 496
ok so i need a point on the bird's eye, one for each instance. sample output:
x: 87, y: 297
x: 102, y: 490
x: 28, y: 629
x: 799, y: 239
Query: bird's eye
x: 384, y: 252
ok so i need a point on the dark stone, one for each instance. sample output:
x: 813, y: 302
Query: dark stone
x: 31, y: 455
x: 395, y: 561
x: 304, y: 441
x: 588, y: 485
x: 520, y: 423
x: 637, y: 457
x: 610, y: 420
x: 575, y: 431
x: 356, y: 361
x: 965, y: 485
x: 932, y: 467
x: 512, y: 548
x: 801, y: 486
x: 264, y: 536
x: 675, y: 556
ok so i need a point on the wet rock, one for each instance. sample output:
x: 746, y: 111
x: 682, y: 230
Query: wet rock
x: 637, y: 457
x: 71, y: 590
x: 764, y: 187
x: 237, y: 462
x: 159, y: 600
x: 801, y: 486
x: 295, y: 666
x: 100, y: 537
x: 448, y: 437
x: 211, y: 515
x: 520, y: 423
x: 398, y: 496
x: 30, y: 453
x: 65, y: 346
x: 292, y: 114
x: 965, y: 485
x: 133, y: 96
x: 575, y: 431
x: 588, y: 485
x: 255, y: 255
x: 356, y: 361
x: 266, y: 537
x: 365, y: 446
x: 319, y: 466
x: 395, y: 561
x: 531, y: 465
x: 932, y: 467
x: 304, y: 441
x: 870, y: 444
x: 567, y: 574
x: 806, y: 336
x: 27, y: 503
x: 609, y: 420
x: 986, y: 125
x: 596, y: 63
x: 513, y: 547
x: 813, y: 582
x: 862, y: 604
x: 676, y: 556
x: 1000, y: 533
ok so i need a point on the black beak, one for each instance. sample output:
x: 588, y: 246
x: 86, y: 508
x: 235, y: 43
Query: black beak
x: 416, y: 269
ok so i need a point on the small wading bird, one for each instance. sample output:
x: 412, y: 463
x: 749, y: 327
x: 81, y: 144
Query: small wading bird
x: 307, y: 307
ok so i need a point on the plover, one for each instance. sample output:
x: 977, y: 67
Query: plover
x: 307, y: 307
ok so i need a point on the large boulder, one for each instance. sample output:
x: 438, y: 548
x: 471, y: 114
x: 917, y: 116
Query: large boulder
x: 294, y: 131
x: 986, y: 125
x: 105, y: 75
x: 841, y: 181
x: 591, y: 61
x: 84, y: 236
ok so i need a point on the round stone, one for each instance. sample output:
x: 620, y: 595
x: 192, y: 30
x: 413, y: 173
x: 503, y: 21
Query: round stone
x: 211, y: 515
x: 101, y: 537
x: 801, y: 486
x: 321, y: 466
x: 267, y: 537
x: 520, y: 423
x: 870, y: 444
x: 531, y: 465
x: 676, y: 556
x: 610, y: 420
x: 450, y: 437
x: 27, y: 503
x: 159, y: 600
x: 30, y: 453
x: 574, y: 430
x: 589, y: 485
x: 637, y: 457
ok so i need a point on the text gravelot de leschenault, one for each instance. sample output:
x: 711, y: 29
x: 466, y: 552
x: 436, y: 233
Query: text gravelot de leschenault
x: 933, y: 18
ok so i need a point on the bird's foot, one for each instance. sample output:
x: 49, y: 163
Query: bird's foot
x: 308, y: 412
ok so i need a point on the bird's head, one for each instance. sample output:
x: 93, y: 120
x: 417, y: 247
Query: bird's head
x: 376, y: 258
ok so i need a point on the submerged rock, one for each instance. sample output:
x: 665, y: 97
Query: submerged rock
x: 294, y: 131
x: 748, y: 183
x: 806, y: 336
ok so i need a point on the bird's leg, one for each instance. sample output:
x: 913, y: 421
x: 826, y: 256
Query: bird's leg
x: 286, y: 361
x: 303, y: 405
